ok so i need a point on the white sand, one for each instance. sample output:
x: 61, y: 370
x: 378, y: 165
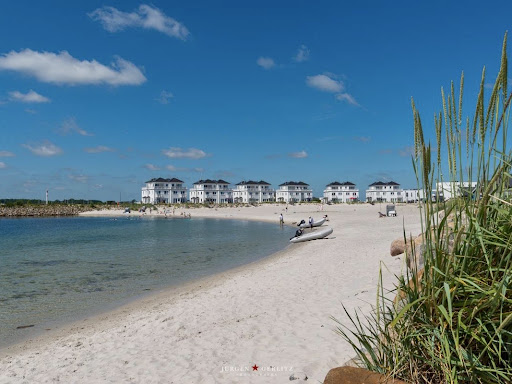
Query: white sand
x: 272, y: 313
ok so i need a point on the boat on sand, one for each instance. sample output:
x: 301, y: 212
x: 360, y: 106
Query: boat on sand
x: 313, y: 235
x: 315, y: 223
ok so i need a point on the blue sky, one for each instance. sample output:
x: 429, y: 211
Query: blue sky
x: 98, y: 97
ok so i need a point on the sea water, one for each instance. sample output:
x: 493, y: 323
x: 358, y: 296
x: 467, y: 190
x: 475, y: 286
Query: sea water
x: 62, y: 269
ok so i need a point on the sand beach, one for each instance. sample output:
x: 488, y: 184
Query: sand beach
x: 259, y: 323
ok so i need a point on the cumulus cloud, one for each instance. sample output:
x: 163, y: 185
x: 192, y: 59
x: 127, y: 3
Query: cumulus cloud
x: 348, y: 98
x: 172, y: 168
x: 298, y: 155
x: 29, y: 97
x: 191, y: 153
x: 324, y: 83
x: 99, y: 149
x: 266, y: 62
x: 165, y: 97
x: 70, y: 126
x: 62, y: 68
x: 2, y: 165
x: 406, y: 151
x: 302, y: 54
x: 46, y: 149
x: 327, y: 82
x: 79, y: 178
x: 152, y: 167
x: 6, y: 154
x: 146, y: 16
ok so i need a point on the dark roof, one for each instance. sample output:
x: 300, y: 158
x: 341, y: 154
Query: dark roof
x: 251, y: 182
x: 294, y: 183
x: 338, y: 183
x: 208, y: 181
x: 382, y: 183
x: 161, y: 180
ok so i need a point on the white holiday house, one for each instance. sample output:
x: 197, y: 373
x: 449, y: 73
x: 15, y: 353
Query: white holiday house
x: 253, y: 192
x: 389, y: 192
x: 164, y: 191
x: 337, y: 192
x: 211, y: 191
x: 293, y: 192
x: 447, y: 190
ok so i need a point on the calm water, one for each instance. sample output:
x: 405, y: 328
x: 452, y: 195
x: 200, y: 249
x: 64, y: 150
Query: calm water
x: 58, y: 269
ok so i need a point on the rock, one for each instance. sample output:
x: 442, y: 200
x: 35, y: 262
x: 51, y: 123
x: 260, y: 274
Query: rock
x: 415, y: 281
x: 352, y: 375
x: 397, y: 247
x: 24, y: 326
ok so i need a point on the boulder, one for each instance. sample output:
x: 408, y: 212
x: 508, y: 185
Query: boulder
x: 397, y: 247
x: 352, y: 375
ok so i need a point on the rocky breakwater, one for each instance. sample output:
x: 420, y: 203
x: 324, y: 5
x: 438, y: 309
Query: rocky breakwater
x: 42, y: 210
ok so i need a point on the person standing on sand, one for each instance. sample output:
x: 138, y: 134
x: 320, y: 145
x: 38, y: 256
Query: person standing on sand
x: 310, y: 222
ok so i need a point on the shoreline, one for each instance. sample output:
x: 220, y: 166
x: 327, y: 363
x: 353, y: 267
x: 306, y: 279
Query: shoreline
x: 54, y: 328
x: 272, y: 312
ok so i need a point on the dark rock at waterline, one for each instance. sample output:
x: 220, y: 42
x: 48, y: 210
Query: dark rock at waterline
x: 24, y: 326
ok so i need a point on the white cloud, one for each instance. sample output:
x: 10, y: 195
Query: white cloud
x: 79, y: 178
x: 70, y: 126
x: 348, y: 98
x: 191, y: 153
x: 266, y: 62
x: 114, y: 20
x: 2, y: 165
x: 302, y: 54
x: 99, y: 149
x: 324, y: 83
x: 406, y: 151
x: 172, y: 168
x: 45, y: 148
x: 6, y: 154
x: 29, y: 97
x: 62, y: 68
x: 165, y: 97
x: 152, y: 167
x: 298, y: 155
x: 363, y: 139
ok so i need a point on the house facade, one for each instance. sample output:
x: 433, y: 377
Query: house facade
x: 294, y: 192
x: 413, y: 195
x: 337, y: 192
x: 253, y: 192
x: 389, y: 192
x: 211, y: 191
x: 166, y: 191
x: 449, y: 189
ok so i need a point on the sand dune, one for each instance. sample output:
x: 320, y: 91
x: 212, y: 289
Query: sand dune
x: 273, y: 314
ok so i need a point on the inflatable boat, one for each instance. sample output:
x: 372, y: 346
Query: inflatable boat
x: 313, y: 235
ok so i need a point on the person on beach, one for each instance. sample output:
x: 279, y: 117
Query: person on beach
x: 298, y: 232
x: 310, y: 222
x: 281, y: 219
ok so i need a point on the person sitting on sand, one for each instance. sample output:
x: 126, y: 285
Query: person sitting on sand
x: 298, y: 232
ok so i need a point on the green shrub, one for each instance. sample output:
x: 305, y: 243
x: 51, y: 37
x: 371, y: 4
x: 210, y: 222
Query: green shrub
x: 454, y: 321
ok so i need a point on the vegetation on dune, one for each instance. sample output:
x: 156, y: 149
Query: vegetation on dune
x: 452, y: 320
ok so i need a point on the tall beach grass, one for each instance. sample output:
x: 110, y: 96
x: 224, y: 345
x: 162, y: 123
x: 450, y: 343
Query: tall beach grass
x: 452, y: 319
